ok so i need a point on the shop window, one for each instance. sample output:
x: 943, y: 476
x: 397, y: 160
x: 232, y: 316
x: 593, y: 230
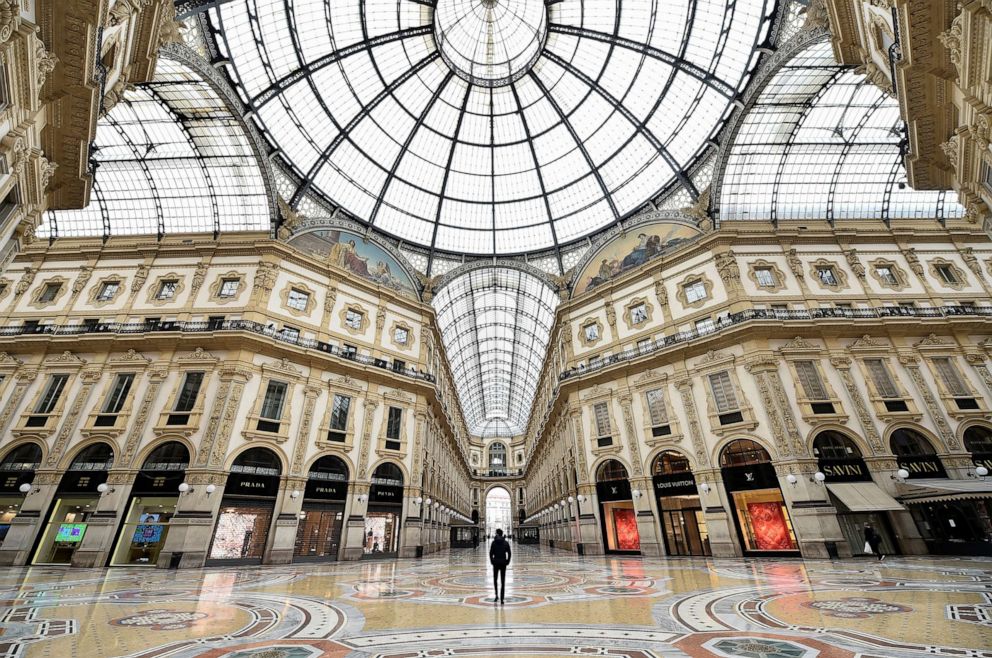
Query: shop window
x: 49, y: 293
x: 229, y: 288
x: 885, y: 385
x: 167, y: 289
x: 907, y: 443
x: 954, y: 384
x: 947, y: 274
x: 108, y: 290
x: 393, y: 421
x: 743, y: 452
x: 340, y: 407
x: 694, y: 291
x: 978, y: 441
x: 115, y: 400
x: 670, y: 463
x: 297, y: 299
x: 830, y: 445
x: 49, y: 399
x: 658, y: 412
x: 765, y: 277
x: 604, y: 429
x: 728, y: 409
x: 270, y: 415
x: 186, y: 399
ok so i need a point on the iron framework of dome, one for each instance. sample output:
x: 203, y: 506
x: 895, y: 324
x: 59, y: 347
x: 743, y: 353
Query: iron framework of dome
x: 488, y: 126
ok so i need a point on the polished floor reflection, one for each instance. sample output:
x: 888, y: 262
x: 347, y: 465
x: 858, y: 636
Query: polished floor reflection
x: 557, y: 604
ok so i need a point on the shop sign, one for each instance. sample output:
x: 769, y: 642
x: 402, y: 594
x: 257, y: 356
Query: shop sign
x: 680, y: 484
x: 11, y: 481
x: 326, y: 490
x: 249, y: 484
x: 923, y: 466
x: 158, y: 483
x: 982, y: 459
x: 752, y: 476
x: 384, y: 493
x: 845, y: 470
x: 81, y: 481
x: 613, y: 490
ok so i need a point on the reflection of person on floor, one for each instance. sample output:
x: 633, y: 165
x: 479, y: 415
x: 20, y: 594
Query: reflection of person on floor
x: 499, y: 557
x: 874, y: 541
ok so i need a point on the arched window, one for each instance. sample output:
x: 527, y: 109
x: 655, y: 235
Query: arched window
x: 388, y: 474
x: 97, y: 457
x: 171, y: 456
x: 259, y: 461
x: 497, y: 457
x: 977, y: 440
x: 743, y: 452
x: 670, y: 463
x: 909, y: 443
x: 329, y: 468
x: 834, y: 445
x: 611, y: 470
x: 25, y: 457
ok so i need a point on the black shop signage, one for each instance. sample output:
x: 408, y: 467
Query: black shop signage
x: 752, y: 476
x: 158, y: 483
x: 680, y: 484
x: 845, y: 470
x: 613, y: 490
x: 922, y: 466
x: 326, y: 490
x: 82, y: 481
x: 250, y: 484
x: 384, y: 493
x: 11, y: 481
x: 982, y: 459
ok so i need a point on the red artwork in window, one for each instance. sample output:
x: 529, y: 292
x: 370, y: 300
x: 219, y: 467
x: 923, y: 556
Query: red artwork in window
x: 625, y: 524
x: 771, y: 532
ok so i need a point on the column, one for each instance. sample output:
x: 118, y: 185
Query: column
x: 102, y: 525
x: 282, y: 534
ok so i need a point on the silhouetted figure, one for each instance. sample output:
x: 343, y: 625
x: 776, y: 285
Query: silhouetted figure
x: 499, y: 557
x: 874, y: 541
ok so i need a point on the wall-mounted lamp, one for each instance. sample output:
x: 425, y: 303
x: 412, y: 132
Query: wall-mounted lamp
x: 303, y: 515
x: 818, y: 477
x: 294, y: 494
x: 27, y: 490
x: 184, y: 488
x: 571, y: 500
x: 362, y: 498
x: 636, y: 493
x: 901, y: 475
x: 211, y: 488
x: 581, y: 498
x: 705, y: 488
x: 428, y: 501
x: 980, y: 472
x: 418, y: 500
x: 103, y: 488
x: 791, y: 479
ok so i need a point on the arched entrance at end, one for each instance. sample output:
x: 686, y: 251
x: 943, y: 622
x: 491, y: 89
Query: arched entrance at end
x: 616, y: 506
x: 499, y: 511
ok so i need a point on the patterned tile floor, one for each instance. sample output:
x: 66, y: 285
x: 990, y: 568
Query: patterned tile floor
x: 558, y: 604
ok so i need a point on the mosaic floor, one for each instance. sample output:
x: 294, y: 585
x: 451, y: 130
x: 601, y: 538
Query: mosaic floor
x: 557, y: 605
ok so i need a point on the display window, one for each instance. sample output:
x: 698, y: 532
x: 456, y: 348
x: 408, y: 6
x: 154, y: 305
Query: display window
x: 65, y: 529
x: 620, y: 520
x: 143, y: 534
x: 685, y: 525
x: 382, y: 532
x: 242, y: 530
x: 764, y: 521
x: 318, y: 536
x: 9, y: 508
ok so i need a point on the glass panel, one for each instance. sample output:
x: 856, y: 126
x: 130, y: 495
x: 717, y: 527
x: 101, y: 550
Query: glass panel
x: 723, y: 392
x: 118, y: 394
x: 602, y: 414
x: 191, y: 388
x: 393, y: 424
x: 764, y: 521
x: 883, y: 380
x: 56, y: 383
x: 339, y: 412
x: 144, y: 531
x: 275, y: 397
x: 951, y: 377
x: 241, y: 532
x: 809, y: 377
x: 656, y: 406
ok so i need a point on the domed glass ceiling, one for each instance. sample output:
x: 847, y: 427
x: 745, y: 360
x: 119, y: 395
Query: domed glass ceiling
x: 489, y: 126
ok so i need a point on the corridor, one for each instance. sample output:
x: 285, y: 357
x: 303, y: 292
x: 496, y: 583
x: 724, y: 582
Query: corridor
x: 557, y: 604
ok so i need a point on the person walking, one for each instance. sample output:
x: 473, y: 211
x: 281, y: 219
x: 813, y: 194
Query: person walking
x: 499, y: 557
x: 873, y: 541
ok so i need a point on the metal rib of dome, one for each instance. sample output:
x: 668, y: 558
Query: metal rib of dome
x: 489, y: 126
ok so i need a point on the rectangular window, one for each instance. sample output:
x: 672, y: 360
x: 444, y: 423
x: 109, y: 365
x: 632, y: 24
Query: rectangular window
x: 229, y: 287
x: 882, y: 379
x: 826, y: 276
x: 297, y: 300
x: 49, y: 293
x: 809, y: 377
x: 353, y: 319
x: 656, y: 407
x: 886, y: 275
x: 592, y: 332
x: 115, y: 400
x: 723, y: 392
x: 705, y: 326
x: 951, y: 377
x: 602, y: 414
x: 339, y: 415
x: 289, y: 333
x: 108, y: 290
x: 56, y: 384
x: 638, y: 314
x: 401, y: 336
x: 186, y: 399
x: 349, y: 351
x: 947, y: 274
x: 167, y: 289
x: 644, y: 344
x: 694, y: 291
x: 765, y: 277
x: 393, y: 428
x: 275, y: 398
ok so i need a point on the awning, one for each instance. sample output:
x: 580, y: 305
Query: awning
x: 864, y: 497
x: 936, y: 490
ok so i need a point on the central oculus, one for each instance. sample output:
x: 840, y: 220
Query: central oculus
x: 490, y: 42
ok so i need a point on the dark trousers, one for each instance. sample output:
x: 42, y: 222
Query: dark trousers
x: 499, y: 580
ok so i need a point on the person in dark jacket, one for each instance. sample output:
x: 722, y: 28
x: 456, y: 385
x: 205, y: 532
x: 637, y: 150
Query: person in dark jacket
x: 499, y: 557
x: 874, y: 541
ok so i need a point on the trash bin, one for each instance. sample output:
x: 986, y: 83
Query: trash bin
x: 580, y: 549
x: 175, y: 559
x: 419, y: 552
x: 831, y: 547
x: 551, y: 543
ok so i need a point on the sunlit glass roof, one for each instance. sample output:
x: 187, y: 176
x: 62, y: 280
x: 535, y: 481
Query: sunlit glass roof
x: 823, y: 142
x: 169, y: 158
x: 489, y: 126
x: 495, y: 323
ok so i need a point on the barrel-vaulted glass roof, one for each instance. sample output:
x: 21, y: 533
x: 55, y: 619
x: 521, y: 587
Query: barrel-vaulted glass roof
x: 170, y: 157
x: 489, y: 126
x: 823, y: 142
x: 495, y: 323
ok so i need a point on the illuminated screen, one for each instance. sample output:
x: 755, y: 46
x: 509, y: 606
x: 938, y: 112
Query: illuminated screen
x: 70, y: 533
x: 147, y: 534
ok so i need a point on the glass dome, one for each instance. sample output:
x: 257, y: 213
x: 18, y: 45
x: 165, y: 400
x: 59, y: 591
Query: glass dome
x: 489, y: 126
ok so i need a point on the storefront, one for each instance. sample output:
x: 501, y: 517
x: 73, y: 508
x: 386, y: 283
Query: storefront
x: 954, y: 517
x: 616, y: 505
x: 528, y: 534
x: 382, y: 521
x: 857, y: 499
x: 682, y: 521
x: 318, y: 536
x: 464, y: 536
x: 151, y: 506
x: 757, y: 505
x: 75, y: 501
x: 247, y: 508
x: 16, y: 469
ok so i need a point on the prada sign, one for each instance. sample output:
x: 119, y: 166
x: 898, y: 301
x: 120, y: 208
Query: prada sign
x: 613, y: 490
x: 845, y: 470
x: 384, y: 493
x: 681, y: 484
x: 247, y: 484
x: 752, y: 476
x: 922, y: 466
x: 326, y: 490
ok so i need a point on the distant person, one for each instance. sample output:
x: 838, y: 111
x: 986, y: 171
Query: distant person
x: 873, y: 541
x: 499, y: 557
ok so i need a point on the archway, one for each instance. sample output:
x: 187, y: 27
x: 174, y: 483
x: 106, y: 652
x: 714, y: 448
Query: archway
x: 682, y: 521
x: 382, y: 520
x: 616, y: 506
x: 16, y: 470
x: 247, y: 508
x: 499, y: 515
x: 318, y: 536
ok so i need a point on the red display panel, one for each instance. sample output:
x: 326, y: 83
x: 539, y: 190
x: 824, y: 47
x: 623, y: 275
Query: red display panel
x: 771, y: 532
x: 625, y: 525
